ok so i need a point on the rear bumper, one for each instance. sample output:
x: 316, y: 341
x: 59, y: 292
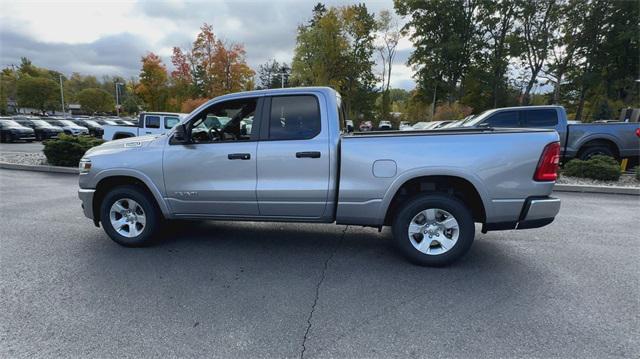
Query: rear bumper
x: 86, y: 196
x: 536, y: 212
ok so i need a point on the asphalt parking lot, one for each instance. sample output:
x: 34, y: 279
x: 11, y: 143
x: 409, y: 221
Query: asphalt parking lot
x: 218, y: 289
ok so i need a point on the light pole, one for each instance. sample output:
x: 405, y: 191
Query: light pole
x: 62, y: 97
x: 118, y: 99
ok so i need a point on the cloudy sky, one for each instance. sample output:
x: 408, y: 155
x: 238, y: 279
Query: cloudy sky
x: 99, y: 37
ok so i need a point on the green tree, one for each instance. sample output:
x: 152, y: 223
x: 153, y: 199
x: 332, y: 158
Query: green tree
x: 40, y: 93
x: 273, y: 74
x: 538, y: 18
x: 94, y: 100
x: 335, y: 49
x: 445, y: 35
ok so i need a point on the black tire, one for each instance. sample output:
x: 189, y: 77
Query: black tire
x: 404, y: 216
x: 151, y: 212
x: 38, y: 137
x: 591, y: 151
x: 3, y: 138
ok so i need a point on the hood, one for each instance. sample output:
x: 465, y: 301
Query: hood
x: 124, y: 143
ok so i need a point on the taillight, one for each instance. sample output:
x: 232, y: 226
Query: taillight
x: 547, y: 169
x: 638, y: 131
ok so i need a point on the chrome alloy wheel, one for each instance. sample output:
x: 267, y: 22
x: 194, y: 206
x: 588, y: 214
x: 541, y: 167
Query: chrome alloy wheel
x: 127, y: 217
x: 433, y: 231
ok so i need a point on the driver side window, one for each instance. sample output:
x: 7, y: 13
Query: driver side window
x: 226, y: 121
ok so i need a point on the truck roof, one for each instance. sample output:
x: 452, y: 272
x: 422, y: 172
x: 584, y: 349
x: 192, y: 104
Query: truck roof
x: 286, y: 90
x: 527, y: 107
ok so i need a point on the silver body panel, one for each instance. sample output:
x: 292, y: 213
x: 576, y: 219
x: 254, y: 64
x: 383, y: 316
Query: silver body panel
x: 352, y: 182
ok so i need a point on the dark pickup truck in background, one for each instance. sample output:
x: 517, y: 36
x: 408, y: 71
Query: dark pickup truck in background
x: 579, y: 140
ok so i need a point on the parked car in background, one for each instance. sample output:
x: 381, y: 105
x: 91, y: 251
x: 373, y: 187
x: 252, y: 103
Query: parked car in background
x: 404, y: 126
x: 384, y: 126
x: 95, y: 129
x: 68, y: 126
x: 297, y: 165
x: 365, y: 126
x: 584, y: 140
x: 43, y: 130
x: 431, y: 125
x: 149, y: 123
x: 11, y: 131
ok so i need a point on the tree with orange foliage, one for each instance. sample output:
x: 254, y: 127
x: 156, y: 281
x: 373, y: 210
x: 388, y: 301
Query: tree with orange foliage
x: 216, y: 69
x: 153, y: 82
x: 191, y: 104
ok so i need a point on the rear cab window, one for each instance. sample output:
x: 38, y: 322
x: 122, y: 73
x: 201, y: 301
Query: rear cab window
x: 295, y: 117
x: 503, y: 119
x: 541, y: 118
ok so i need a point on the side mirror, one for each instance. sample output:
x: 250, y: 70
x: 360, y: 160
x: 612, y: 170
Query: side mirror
x: 180, y: 135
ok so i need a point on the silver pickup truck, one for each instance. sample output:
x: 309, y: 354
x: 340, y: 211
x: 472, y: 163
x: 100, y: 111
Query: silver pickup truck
x: 295, y: 162
x: 581, y: 140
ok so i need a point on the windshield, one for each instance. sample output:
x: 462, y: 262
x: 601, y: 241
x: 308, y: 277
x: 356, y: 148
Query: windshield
x: 10, y: 123
x: 476, y: 120
x: 109, y: 122
x: 91, y: 123
x: 41, y: 123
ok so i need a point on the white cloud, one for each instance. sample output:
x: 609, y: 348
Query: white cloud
x: 109, y: 37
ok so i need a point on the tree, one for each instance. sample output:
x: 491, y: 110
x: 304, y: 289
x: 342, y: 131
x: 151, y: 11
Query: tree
x: 94, y: 100
x: 335, y: 49
x: 40, y: 93
x: 273, y: 74
x: 191, y: 104
x: 153, y: 82
x: 538, y: 18
x: 230, y: 71
x: 445, y: 35
x: 497, y: 19
x: 8, y: 88
x: 387, y: 25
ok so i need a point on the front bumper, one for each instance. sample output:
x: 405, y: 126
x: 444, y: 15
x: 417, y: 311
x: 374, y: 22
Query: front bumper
x: 536, y: 212
x: 86, y: 196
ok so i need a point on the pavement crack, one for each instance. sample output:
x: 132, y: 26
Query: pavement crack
x: 315, y: 300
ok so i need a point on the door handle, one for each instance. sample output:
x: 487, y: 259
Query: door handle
x: 239, y: 156
x: 309, y: 154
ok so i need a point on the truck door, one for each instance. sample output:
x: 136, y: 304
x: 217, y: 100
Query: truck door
x: 293, y: 157
x: 215, y: 174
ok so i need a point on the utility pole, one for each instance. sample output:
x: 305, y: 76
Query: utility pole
x: 433, y: 106
x: 118, y: 99
x: 62, y: 97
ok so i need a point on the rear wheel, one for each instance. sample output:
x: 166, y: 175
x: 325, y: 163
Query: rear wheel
x: 129, y: 216
x: 433, y: 229
x: 591, y: 151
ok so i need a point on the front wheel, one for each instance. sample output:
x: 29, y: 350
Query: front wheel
x: 433, y: 229
x: 129, y: 216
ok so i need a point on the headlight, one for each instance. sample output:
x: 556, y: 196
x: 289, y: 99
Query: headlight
x: 85, y: 165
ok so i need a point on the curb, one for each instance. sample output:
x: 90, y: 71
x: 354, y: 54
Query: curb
x: 39, y: 168
x: 596, y: 189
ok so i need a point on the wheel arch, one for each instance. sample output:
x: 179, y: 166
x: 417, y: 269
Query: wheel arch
x: 108, y: 181
x: 596, y: 140
x: 449, y: 181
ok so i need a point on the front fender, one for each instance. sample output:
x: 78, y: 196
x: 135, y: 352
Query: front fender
x: 130, y: 172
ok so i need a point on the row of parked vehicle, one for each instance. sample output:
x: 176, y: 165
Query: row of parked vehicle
x: 35, y: 128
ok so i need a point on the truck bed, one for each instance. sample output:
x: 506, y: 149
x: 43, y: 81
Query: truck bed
x: 499, y: 163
